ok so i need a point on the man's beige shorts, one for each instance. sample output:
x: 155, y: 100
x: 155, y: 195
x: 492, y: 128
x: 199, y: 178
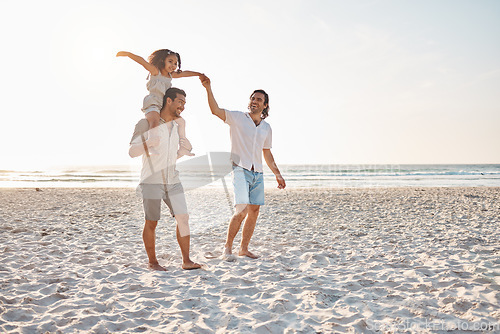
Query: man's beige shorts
x: 171, y: 194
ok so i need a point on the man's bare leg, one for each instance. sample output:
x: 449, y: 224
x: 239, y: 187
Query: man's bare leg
x: 248, y: 228
x: 149, y: 236
x: 184, y: 242
x: 234, y: 227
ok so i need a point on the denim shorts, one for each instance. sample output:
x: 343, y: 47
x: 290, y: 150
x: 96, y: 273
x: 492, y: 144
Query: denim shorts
x: 248, y: 186
x: 171, y: 194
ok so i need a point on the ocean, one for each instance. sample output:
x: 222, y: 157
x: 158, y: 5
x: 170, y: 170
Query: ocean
x: 296, y: 176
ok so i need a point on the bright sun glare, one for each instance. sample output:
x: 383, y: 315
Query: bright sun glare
x: 89, y: 53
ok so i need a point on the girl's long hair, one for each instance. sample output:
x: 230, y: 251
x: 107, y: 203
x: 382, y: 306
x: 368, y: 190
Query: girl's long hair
x: 157, y: 58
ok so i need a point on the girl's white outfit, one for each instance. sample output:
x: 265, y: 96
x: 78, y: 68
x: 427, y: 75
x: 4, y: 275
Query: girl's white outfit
x: 157, y: 86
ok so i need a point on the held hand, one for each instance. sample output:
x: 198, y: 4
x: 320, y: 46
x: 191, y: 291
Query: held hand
x: 122, y: 54
x: 281, y: 181
x: 205, y: 81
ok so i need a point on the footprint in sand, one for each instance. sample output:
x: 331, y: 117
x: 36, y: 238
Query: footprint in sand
x: 210, y: 255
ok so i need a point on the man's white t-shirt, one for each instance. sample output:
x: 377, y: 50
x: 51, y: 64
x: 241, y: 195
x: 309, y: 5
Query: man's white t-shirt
x: 248, y: 140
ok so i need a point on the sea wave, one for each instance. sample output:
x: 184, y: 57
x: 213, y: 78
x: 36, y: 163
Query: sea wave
x: 295, y: 175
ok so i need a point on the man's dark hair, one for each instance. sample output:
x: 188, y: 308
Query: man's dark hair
x: 172, y: 94
x: 265, y: 112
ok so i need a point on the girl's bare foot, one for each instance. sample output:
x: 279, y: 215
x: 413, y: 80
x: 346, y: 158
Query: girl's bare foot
x: 184, y: 151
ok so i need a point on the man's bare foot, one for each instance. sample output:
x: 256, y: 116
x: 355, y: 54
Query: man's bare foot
x: 156, y: 266
x: 190, y: 265
x: 228, y: 255
x: 248, y: 253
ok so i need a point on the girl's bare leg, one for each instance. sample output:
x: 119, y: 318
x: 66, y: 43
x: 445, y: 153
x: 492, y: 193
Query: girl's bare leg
x: 185, y: 146
x: 153, y: 118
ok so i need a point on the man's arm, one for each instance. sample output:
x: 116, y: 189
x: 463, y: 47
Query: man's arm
x: 268, y: 156
x: 214, y: 107
x: 139, y: 144
x: 138, y: 148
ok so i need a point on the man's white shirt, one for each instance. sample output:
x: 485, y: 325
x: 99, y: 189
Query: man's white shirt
x: 247, y: 139
x: 163, y: 163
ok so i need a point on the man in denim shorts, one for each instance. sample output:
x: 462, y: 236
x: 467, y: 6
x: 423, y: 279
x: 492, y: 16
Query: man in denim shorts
x: 159, y: 178
x: 251, y: 137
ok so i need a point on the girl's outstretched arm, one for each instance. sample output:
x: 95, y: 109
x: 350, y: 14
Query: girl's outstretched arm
x: 184, y: 74
x: 138, y: 59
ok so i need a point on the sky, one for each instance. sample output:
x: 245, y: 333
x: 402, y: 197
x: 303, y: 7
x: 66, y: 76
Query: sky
x: 350, y: 82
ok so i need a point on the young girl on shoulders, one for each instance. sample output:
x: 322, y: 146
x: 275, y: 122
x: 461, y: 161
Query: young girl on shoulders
x: 163, y: 65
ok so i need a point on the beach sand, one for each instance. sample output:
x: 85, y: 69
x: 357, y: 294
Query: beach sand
x: 332, y: 260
